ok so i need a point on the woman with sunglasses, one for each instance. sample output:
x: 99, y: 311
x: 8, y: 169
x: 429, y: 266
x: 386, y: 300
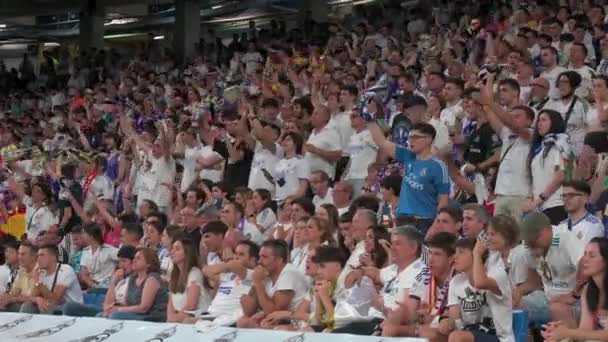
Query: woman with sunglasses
x: 550, y: 154
x: 594, y: 305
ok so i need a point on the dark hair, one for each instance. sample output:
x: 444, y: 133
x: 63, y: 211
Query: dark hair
x: 511, y: 83
x: 305, y: 103
x: 425, y: 128
x: 457, y: 82
x: 574, y: 78
x: 454, y: 212
x: 201, y: 196
x: 529, y: 112
x: 468, y: 92
x: 333, y: 215
x: 366, y: 202
x: 46, y: 191
x: 134, y: 228
x: 557, y: 126
x: 68, y: 170
x: 578, y: 185
x: 379, y: 255
x: 582, y: 46
x: 94, y: 231
x: 270, y: 102
x: 254, y: 249
x: 158, y: 226
x: 322, y: 174
x: 279, y: 248
x: 466, y: 243
x: 329, y: 254
x: 393, y: 183
x: 237, y: 207
x: 265, y: 196
x: 297, y: 140
x: 178, y: 281
x: 52, y: 248
x: 162, y: 218
x: 350, y: 89
x: 445, y: 241
x: 305, y: 204
x: 593, y: 290
x: 216, y: 228
x: 152, y: 204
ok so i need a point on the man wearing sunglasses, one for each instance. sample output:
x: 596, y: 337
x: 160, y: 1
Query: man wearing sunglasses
x: 426, y: 182
x: 555, y: 259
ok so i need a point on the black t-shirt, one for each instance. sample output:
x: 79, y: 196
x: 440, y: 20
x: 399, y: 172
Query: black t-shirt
x: 75, y: 220
x: 237, y: 173
x: 195, y: 235
x: 481, y: 144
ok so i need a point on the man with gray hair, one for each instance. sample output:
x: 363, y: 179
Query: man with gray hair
x: 475, y: 218
x: 396, y: 278
x: 363, y: 219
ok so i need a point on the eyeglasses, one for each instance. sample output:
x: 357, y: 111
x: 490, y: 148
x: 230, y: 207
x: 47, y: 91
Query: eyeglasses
x: 104, y: 335
x: 49, y: 331
x: 571, y: 195
x: 165, y: 334
x: 11, y: 325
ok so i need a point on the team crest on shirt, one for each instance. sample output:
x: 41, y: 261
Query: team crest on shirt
x: 579, y: 235
x: 423, y: 172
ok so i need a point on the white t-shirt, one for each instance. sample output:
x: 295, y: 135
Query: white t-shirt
x: 195, y: 277
x: 37, y: 220
x: 551, y: 77
x: 318, y: 201
x: 362, y: 151
x: 5, y: 277
x: 191, y: 155
x: 290, y: 279
x: 231, y: 288
x: 580, y: 121
x: 501, y: 306
x: 341, y: 123
x: 395, y: 284
x: 101, y: 264
x: 66, y: 278
x: 214, y: 174
x: 291, y: 171
x: 162, y: 170
x: 101, y: 187
x: 542, y: 170
x: 252, y: 61
x: 120, y: 291
x: 557, y: 268
x: 326, y: 139
x: 352, y: 263
x: 252, y: 233
x: 263, y: 159
x: 512, y: 178
x: 581, y: 232
x: 266, y: 218
x: 449, y: 114
x: 421, y: 290
x: 471, y: 301
x: 586, y: 73
x: 442, y: 134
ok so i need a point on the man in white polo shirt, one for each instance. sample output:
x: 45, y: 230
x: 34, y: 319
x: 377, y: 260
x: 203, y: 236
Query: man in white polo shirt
x: 319, y: 182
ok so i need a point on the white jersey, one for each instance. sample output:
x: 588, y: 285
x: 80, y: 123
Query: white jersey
x: 231, y: 288
x: 557, y: 268
x: 397, y: 285
x: 582, y: 232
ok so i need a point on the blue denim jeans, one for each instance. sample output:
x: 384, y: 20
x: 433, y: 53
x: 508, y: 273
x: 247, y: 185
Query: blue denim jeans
x: 78, y: 309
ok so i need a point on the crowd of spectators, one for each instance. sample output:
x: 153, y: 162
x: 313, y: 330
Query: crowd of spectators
x: 423, y: 179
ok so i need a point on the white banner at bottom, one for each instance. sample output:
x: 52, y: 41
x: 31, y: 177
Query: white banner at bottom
x: 43, y: 328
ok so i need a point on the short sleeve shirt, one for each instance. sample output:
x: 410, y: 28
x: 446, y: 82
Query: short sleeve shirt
x: 423, y: 182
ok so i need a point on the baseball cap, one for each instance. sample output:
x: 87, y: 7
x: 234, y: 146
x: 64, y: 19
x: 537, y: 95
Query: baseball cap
x: 126, y: 252
x: 532, y: 224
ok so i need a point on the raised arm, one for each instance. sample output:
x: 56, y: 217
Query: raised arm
x: 385, y: 145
